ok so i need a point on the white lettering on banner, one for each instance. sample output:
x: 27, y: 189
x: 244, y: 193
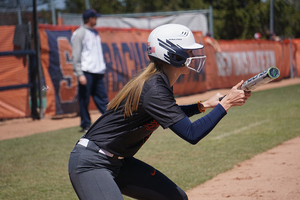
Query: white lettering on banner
x: 224, y: 64
x: 244, y: 63
x: 240, y: 63
x: 252, y: 64
x: 260, y: 59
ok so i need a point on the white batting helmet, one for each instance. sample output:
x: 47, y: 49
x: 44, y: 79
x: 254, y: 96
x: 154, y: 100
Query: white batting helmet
x: 168, y: 43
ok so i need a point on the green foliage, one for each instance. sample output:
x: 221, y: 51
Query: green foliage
x: 135, y: 6
x: 241, y: 19
x: 75, y: 6
x: 233, y: 19
x: 36, y: 167
x: 287, y: 19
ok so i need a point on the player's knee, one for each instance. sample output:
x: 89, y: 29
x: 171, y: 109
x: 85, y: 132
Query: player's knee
x: 181, y: 195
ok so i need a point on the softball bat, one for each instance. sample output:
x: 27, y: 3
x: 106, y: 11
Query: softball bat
x: 259, y: 79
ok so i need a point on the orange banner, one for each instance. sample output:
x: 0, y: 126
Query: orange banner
x: 240, y: 60
x: 296, y: 56
x: 125, y: 53
x: 14, y: 71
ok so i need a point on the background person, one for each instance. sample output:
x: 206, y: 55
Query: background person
x: 89, y: 67
x: 257, y: 36
x: 102, y: 164
x: 274, y: 37
x: 212, y: 41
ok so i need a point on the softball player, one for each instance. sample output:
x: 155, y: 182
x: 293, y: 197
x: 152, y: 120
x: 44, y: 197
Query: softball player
x: 102, y: 164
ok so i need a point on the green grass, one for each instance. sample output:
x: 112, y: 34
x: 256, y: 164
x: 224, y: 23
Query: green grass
x: 35, y: 167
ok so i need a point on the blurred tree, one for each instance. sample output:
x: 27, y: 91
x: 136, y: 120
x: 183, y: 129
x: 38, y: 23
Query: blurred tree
x: 233, y: 19
x: 75, y: 6
x: 102, y: 6
x: 286, y: 19
x: 107, y: 6
x: 251, y: 20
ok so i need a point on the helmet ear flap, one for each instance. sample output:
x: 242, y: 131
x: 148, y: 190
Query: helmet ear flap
x: 177, y: 60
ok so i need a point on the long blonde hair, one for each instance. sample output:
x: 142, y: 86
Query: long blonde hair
x: 133, y: 89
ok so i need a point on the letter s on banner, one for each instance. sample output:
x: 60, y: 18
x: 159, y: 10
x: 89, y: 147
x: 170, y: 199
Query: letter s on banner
x: 68, y: 84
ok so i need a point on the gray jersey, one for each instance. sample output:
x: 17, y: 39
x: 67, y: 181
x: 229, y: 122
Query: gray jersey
x: 87, y: 51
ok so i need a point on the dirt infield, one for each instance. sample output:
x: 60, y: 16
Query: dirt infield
x: 273, y: 175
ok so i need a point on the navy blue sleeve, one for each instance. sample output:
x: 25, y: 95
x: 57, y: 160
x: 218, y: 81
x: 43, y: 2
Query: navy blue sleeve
x: 190, y: 110
x: 194, y: 132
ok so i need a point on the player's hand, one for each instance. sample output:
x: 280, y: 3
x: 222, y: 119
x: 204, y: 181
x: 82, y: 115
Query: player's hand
x: 235, y: 97
x: 212, y: 102
x: 247, y: 94
x: 82, y: 80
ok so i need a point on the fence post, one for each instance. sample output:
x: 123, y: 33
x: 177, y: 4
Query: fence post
x: 211, y: 23
x: 37, y: 58
x: 53, y: 12
x: 291, y: 59
x: 32, y: 82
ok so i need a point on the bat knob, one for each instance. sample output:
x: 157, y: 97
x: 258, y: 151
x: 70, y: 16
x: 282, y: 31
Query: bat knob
x: 220, y: 99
